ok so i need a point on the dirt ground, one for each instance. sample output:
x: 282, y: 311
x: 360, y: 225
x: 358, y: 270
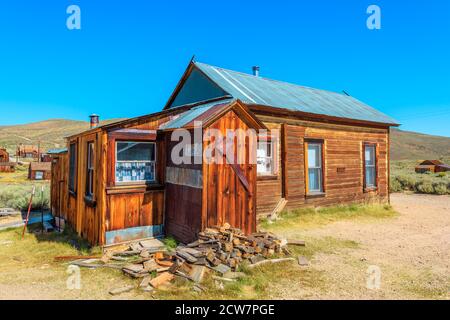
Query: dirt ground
x: 411, y: 251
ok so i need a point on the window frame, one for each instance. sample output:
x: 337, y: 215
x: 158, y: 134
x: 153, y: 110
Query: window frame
x: 137, y: 182
x: 273, y: 174
x: 375, y: 166
x: 321, y: 192
x: 90, y: 170
x: 73, y: 175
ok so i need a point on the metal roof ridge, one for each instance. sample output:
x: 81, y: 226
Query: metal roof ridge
x: 273, y: 80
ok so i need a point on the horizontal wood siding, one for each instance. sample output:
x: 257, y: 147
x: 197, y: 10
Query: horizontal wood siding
x: 343, y: 163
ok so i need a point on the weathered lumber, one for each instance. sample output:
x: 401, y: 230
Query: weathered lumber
x: 294, y: 242
x: 161, y: 279
x: 69, y: 258
x: 121, y: 290
x: 270, y: 261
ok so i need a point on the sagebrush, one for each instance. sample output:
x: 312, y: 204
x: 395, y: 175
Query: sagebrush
x: 404, y: 178
x: 18, y: 197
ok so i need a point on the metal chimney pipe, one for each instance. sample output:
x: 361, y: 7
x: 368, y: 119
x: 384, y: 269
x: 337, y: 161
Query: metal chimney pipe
x: 94, y: 120
x: 255, y: 71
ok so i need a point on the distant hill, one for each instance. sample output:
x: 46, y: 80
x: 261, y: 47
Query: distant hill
x: 405, y: 145
x: 50, y: 133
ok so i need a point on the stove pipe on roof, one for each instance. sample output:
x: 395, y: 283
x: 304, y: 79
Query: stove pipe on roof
x: 94, y: 120
x: 255, y: 71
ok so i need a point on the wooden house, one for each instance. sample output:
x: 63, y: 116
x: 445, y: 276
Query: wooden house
x: 4, y: 155
x: 5, y: 164
x: 432, y: 166
x: 40, y: 171
x: 27, y: 151
x: 311, y: 148
x: 45, y: 157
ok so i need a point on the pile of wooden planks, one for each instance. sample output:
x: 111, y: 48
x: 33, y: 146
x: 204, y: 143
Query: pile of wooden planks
x: 219, y: 249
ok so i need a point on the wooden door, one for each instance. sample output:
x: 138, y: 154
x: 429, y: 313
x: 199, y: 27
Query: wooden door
x: 231, y: 187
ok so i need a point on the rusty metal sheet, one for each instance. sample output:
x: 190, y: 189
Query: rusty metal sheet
x: 128, y: 234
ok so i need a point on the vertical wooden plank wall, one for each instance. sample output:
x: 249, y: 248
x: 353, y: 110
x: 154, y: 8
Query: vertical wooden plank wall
x: 226, y: 198
x: 183, y: 202
x: 58, y: 186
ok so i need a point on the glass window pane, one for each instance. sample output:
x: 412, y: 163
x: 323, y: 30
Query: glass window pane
x: 135, y: 162
x: 314, y: 155
x: 370, y: 176
x: 370, y: 155
x: 72, y: 167
x: 135, y: 151
x: 264, y: 160
x: 314, y: 179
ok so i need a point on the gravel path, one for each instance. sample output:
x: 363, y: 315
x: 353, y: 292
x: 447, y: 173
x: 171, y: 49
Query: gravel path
x: 412, y: 251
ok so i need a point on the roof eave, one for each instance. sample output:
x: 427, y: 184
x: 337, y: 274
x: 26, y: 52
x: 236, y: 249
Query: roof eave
x: 256, y: 108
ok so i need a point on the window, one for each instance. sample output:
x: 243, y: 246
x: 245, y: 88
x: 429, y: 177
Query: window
x: 314, y: 167
x: 72, y: 166
x: 90, y: 170
x: 264, y: 158
x: 135, y: 161
x: 39, y: 175
x: 370, y: 172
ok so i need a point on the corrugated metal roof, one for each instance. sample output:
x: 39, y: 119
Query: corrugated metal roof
x: 262, y: 91
x: 56, y: 151
x: 188, y: 116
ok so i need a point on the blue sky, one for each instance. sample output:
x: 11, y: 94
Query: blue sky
x: 129, y: 55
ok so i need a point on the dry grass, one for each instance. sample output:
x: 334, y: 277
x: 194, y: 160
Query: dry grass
x: 30, y: 272
x: 302, y: 219
x: 258, y: 282
x: 28, y: 268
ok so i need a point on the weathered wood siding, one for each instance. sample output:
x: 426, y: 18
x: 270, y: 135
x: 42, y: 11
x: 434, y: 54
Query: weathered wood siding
x: 183, y: 197
x: 343, y: 164
x: 225, y: 198
x: 136, y: 209
x: 85, y: 217
x: 59, y: 186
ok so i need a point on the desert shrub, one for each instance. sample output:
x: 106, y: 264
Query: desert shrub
x: 442, y: 175
x: 407, y: 182
x: 440, y: 188
x: 18, y: 197
x: 425, y: 186
x: 395, y: 185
